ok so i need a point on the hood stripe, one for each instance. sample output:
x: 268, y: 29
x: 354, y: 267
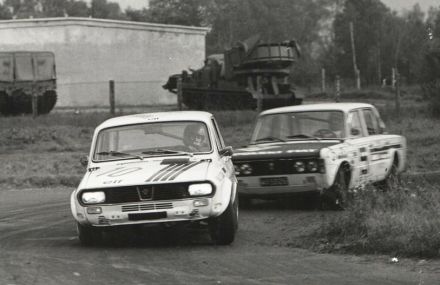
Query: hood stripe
x: 169, y: 171
x: 185, y: 169
x: 159, y: 171
x: 168, y: 175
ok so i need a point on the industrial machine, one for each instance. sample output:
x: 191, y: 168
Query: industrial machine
x: 250, y: 75
x: 26, y: 76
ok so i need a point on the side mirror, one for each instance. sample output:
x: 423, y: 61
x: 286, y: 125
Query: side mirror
x: 227, y: 151
x: 84, y: 160
x: 355, y: 132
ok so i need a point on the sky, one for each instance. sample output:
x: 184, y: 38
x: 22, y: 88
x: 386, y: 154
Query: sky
x: 398, y: 5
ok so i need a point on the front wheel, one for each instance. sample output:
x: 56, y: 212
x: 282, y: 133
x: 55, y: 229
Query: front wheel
x: 88, y: 235
x: 337, y: 196
x: 224, y: 227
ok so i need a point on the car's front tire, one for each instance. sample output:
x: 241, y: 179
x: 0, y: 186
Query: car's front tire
x: 224, y: 227
x: 337, y: 196
x: 89, y: 235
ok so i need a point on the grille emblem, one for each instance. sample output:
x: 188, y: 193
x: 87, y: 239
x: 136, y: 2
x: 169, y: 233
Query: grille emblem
x: 145, y: 193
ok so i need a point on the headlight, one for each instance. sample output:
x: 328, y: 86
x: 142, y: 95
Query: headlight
x: 300, y: 166
x: 200, y: 189
x: 312, y: 166
x: 237, y: 169
x: 246, y: 169
x: 93, y: 197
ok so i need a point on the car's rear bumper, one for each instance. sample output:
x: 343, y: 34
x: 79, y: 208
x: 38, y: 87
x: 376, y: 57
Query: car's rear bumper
x: 297, y: 183
x: 147, y: 212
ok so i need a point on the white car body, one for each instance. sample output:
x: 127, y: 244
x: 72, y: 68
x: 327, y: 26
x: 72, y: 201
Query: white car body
x: 122, y: 179
x: 368, y: 156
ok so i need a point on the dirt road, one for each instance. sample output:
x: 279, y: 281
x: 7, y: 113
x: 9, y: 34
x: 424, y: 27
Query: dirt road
x: 38, y: 245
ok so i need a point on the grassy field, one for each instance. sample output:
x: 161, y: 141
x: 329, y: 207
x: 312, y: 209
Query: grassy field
x: 45, y: 152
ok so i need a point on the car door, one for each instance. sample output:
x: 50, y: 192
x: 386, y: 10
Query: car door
x: 359, y: 152
x: 379, y: 151
x: 226, y: 160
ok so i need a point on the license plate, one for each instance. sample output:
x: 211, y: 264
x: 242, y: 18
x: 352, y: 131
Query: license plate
x: 274, y: 181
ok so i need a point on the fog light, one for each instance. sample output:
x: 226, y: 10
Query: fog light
x: 201, y: 203
x: 94, y: 210
x: 300, y: 166
x: 312, y: 166
x: 246, y: 169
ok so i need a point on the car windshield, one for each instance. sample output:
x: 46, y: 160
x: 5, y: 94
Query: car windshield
x: 310, y: 125
x: 152, y: 139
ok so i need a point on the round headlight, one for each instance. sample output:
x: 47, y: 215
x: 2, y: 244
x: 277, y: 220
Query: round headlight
x: 246, y: 169
x: 200, y: 189
x: 312, y: 166
x: 93, y: 197
x: 300, y: 166
x: 237, y: 169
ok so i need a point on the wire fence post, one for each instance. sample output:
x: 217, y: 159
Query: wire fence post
x: 338, y: 89
x: 397, y: 94
x: 323, y: 80
x: 34, y: 101
x: 179, y: 93
x: 112, y: 96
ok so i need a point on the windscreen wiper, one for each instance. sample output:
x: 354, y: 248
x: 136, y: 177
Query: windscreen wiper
x: 300, y: 136
x: 167, y: 151
x: 269, y: 138
x: 118, y: 153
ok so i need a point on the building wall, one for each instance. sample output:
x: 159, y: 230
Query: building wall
x: 90, y: 52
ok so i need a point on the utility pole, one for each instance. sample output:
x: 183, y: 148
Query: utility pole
x: 353, y: 49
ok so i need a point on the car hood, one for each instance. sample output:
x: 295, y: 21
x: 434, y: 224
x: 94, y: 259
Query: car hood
x: 169, y: 170
x: 280, y: 150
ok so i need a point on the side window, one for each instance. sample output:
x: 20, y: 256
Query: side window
x: 217, y: 135
x: 354, y: 125
x: 371, y: 122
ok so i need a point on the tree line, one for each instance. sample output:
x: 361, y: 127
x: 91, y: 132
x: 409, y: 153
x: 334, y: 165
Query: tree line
x: 380, y: 39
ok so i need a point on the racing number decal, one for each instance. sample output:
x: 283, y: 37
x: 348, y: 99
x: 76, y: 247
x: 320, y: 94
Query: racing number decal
x: 120, y: 171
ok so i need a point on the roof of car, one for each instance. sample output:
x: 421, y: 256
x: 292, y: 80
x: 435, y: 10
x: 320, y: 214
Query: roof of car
x: 345, y: 107
x: 156, y: 117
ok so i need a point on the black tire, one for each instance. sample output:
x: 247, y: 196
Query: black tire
x: 4, y: 103
x: 89, y: 235
x: 47, y: 101
x: 337, y: 196
x: 224, y: 227
x: 392, y: 181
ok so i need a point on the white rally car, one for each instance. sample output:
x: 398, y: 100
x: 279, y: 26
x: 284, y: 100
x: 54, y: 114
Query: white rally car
x: 329, y: 149
x: 169, y: 167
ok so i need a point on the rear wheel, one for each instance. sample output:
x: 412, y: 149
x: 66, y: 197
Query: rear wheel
x: 224, y: 227
x: 4, y: 103
x: 392, y: 181
x: 89, y: 235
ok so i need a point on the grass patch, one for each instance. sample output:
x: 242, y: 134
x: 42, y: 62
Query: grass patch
x: 402, y: 222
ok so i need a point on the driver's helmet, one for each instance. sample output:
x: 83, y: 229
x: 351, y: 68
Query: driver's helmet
x: 194, y: 136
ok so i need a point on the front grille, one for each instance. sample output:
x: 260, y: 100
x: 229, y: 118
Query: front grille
x: 103, y: 221
x: 143, y: 193
x: 276, y: 167
x: 146, y: 207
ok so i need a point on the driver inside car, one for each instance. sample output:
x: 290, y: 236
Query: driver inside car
x: 194, y: 138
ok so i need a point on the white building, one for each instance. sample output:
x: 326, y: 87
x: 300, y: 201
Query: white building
x: 89, y: 52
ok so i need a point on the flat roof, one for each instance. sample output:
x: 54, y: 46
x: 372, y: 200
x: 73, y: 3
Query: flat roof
x: 345, y: 107
x: 102, y: 23
x: 156, y: 117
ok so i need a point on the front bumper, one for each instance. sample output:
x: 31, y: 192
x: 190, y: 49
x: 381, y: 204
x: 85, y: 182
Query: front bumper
x: 148, y: 212
x: 297, y: 183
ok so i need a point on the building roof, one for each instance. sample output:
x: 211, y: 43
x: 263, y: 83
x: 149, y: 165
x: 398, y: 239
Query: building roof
x: 345, y: 107
x: 156, y: 117
x: 104, y: 23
